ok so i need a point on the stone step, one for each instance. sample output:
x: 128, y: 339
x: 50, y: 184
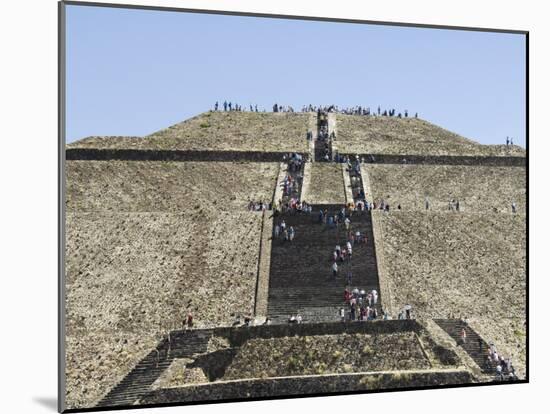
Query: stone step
x: 301, y: 275
x: 453, y: 328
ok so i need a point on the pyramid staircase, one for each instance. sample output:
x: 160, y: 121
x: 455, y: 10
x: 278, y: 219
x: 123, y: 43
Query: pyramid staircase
x: 179, y: 344
x: 475, y: 346
x: 301, y: 279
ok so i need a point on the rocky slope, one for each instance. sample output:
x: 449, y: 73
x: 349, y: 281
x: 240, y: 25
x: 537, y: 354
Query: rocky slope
x: 408, y: 136
x: 326, y: 185
x: 219, y: 131
x: 146, y: 242
x: 477, y: 188
x: 324, y: 354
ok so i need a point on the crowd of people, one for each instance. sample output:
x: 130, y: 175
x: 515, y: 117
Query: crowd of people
x: 361, y: 305
x: 282, y: 108
x: 259, y: 206
x: 504, y: 369
x: 234, y: 107
x: 357, y: 110
x: 228, y: 106
x: 323, y: 136
x: 280, y: 230
x: 330, y: 219
x: 294, y: 161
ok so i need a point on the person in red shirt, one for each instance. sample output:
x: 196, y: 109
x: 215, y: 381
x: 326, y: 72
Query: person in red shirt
x: 347, y: 295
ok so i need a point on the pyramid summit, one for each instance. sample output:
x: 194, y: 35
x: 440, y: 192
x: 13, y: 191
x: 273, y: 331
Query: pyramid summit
x: 285, y: 132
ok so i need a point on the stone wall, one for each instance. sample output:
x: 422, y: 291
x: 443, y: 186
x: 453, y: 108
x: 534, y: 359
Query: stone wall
x: 307, y: 385
x: 407, y: 159
x: 129, y: 154
x: 124, y: 154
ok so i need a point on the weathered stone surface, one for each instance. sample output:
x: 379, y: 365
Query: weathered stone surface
x: 135, y: 275
x: 478, y: 189
x: 326, y: 185
x: 179, y: 373
x: 149, y: 240
x: 150, y: 186
x: 448, y: 263
x: 408, y: 136
x: 340, y: 383
x: 244, y: 131
x: 146, y: 242
x: 509, y: 335
x: 323, y: 354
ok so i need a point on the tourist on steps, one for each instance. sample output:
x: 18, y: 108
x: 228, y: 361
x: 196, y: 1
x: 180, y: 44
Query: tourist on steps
x: 334, y: 270
x: 463, y: 336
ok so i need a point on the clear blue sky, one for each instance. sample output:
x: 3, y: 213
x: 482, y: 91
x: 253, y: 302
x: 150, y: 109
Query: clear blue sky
x: 133, y: 72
